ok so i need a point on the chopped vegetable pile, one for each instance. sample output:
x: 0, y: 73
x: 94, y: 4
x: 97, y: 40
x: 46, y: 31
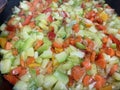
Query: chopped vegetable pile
x: 61, y: 45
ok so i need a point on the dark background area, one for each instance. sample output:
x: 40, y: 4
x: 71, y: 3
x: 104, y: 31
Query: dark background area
x: 4, y: 16
x: 114, y: 4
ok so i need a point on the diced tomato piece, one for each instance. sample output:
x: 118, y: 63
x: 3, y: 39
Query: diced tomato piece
x: 71, y: 81
x: 114, y: 39
x: 110, y: 51
x: 27, y: 20
x: 50, y: 18
x: 16, y: 71
x: 100, y: 27
x: 83, y: 5
x: 47, y: 10
x: 91, y: 15
x: 86, y: 64
x: 11, y: 35
x: 51, y: 35
x: 10, y: 28
x: 12, y: 79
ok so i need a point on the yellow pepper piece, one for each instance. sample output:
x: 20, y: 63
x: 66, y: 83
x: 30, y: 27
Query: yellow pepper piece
x: 58, y: 50
x: 109, y: 87
x: 88, y: 25
x: 3, y: 42
x: 104, y: 16
x: 55, y: 63
x: 33, y: 65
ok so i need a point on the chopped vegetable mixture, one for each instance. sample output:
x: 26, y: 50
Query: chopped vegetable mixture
x: 61, y: 45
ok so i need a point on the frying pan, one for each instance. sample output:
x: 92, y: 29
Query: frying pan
x: 7, y: 12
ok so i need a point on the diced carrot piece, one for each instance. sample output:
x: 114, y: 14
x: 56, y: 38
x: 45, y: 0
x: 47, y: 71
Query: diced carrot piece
x: 101, y: 61
x: 27, y: 20
x: 14, y: 51
x: 93, y: 56
x: 110, y: 51
x: 66, y: 43
x: 113, y: 69
x: 86, y: 80
x: 30, y: 60
x: 37, y: 70
x: 23, y: 72
x: 55, y: 0
x: 105, y: 39
x: 117, y: 53
x: 72, y: 41
x: 35, y: 2
x: 71, y: 81
x: 12, y: 79
x: 98, y: 85
x: 22, y: 62
x: 100, y: 81
x: 99, y: 78
x: 77, y: 72
x: 49, y: 68
x: 90, y: 45
x: 8, y: 46
x: 78, y: 39
x: 38, y: 44
x: 10, y: 21
x: 114, y: 39
x: 86, y: 64
x: 57, y: 44
x: 76, y: 27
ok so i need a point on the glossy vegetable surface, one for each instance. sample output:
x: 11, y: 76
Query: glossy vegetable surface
x: 65, y: 45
